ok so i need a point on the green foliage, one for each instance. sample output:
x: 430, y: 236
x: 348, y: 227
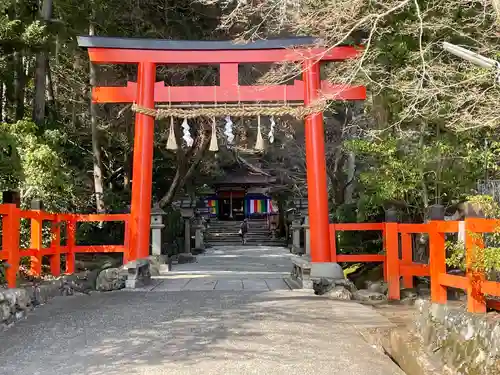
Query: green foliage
x: 485, y: 259
x: 36, y: 167
x: 355, y: 242
x: 399, y: 169
x: 10, y: 162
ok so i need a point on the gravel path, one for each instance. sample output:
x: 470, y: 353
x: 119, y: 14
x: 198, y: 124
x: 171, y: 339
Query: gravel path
x: 209, y: 330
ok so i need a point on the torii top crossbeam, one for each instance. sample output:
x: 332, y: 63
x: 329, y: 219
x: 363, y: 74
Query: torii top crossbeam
x: 147, y: 54
x: 226, y: 54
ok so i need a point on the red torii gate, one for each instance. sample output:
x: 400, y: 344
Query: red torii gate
x: 148, y: 53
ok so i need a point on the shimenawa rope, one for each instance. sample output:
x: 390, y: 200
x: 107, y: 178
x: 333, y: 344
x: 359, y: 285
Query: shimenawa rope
x: 243, y: 111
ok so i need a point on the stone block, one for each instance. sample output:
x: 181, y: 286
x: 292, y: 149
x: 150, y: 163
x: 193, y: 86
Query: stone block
x: 301, y: 272
x: 14, y: 303
x: 138, y: 274
x: 369, y: 297
x: 110, y: 279
x: 377, y: 286
x: 327, y: 270
x: 339, y: 293
x: 464, y: 342
x: 158, y: 264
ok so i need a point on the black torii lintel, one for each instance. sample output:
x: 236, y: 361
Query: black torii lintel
x: 192, y: 45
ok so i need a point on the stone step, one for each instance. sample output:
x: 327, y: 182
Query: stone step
x: 236, y: 226
x: 221, y: 234
x: 256, y: 243
x: 235, y: 233
x: 237, y: 238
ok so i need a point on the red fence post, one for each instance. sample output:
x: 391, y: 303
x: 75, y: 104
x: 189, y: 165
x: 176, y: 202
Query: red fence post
x: 333, y: 243
x: 36, y: 243
x: 55, y: 245
x: 476, y: 302
x: 11, y: 229
x: 392, y: 255
x: 36, y: 238
x: 407, y: 257
x: 127, y: 254
x: 437, y: 254
x: 70, y: 255
x: 384, y: 249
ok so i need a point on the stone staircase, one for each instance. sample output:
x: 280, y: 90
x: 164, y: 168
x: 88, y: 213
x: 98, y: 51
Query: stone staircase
x: 225, y: 233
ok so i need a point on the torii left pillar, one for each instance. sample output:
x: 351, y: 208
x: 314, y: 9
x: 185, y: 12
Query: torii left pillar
x: 142, y: 172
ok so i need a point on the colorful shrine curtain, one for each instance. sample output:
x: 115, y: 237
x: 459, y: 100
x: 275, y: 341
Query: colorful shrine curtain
x: 213, y: 205
x: 258, y: 206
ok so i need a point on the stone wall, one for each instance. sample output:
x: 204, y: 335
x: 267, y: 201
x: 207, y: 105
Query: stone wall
x: 13, y: 306
x: 467, y: 344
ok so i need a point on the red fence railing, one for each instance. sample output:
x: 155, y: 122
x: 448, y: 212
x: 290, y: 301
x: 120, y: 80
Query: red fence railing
x: 12, y: 253
x: 396, y: 267
x: 399, y: 266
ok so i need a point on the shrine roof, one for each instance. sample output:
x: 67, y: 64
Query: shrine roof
x: 237, y: 179
x: 192, y: 45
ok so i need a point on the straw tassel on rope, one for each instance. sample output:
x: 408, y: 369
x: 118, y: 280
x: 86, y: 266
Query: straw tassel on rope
x: 213, y: 140
x: 259, y: 144
x: 171, y: 141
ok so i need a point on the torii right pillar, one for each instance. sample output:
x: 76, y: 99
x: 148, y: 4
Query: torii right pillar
x: 323, y: 266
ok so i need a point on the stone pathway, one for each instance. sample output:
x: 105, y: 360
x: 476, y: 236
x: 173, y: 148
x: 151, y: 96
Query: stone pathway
x: 249, y: 268
x: 230, y: 313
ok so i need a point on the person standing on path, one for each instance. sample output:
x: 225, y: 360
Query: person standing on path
x: 244, y: 231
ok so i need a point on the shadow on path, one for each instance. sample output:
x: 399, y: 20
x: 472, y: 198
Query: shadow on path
x: 123, y: 333
x: 198, y: 332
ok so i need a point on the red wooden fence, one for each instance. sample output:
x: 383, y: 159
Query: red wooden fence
x: 400, y: 270
x: 12, y: 253
x: 397, y: 270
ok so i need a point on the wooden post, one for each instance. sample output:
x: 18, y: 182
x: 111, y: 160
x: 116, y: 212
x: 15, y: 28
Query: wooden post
x: 127, y: 255
x: 36, y: 237
x: 384, y: 249
x: 70, y: 255
x: 333, y: 243
x: 392, y: 254
x: 10, y: 238
x: 474, y: 247
x: 55, y: 245
x: 437, y: 254
x: 407, y: 257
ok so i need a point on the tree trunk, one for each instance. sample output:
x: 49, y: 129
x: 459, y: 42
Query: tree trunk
x: 50, y: 93
x: 10, y: 92
x: 1, y: 101
x: 19, y: 84
x: 174, y: 187
x: 41, y: 71
x: 351, y: 169
x: 182, y: 174
x: 96, y: 148
x: 197, y: 159
x: 425, y: 192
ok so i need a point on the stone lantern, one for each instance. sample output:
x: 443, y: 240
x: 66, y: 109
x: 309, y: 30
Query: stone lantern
x: 156, y: 227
